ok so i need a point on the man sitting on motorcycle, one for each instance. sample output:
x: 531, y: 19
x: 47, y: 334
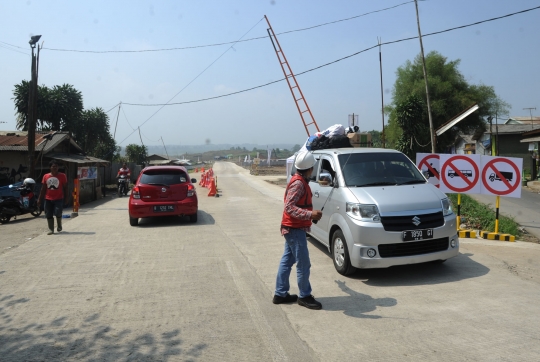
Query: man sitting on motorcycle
x: 123, y: 171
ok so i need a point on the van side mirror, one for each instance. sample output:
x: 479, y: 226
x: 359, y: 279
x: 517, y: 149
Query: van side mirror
x: 426, y: 174
x: 325, y: 179
x: 193, y: 180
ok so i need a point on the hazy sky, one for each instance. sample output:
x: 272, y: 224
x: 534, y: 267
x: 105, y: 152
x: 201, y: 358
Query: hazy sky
x: 503, y: 53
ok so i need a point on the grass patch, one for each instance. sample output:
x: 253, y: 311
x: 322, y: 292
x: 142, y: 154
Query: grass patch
x: 482, y: 217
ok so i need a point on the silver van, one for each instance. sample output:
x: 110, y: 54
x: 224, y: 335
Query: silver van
x: 379, y: 210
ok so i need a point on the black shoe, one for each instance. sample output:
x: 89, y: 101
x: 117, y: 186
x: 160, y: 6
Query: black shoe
x: 309, y: 302
x: 289, y: 298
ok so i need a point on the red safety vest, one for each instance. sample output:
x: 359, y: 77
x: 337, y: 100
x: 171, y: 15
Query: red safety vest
x: 304, y: 203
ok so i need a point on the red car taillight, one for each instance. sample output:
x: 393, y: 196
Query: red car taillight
x: 190, y: 190
x: 135, y: 193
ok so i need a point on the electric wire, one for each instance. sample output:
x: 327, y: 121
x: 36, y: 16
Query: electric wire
x: 187, y: 85
x: 231, y: 42
x: 13, y: 50
x: 124, y: 113
x: 332, y: 62
x: 113, y: 108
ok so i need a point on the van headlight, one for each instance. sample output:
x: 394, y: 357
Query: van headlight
x: 446, y: 207
x: 363, y: 212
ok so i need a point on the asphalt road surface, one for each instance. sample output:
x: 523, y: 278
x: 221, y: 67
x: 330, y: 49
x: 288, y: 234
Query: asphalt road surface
x: 170, y: 290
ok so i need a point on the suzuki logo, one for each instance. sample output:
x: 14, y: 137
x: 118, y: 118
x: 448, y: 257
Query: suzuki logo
x: 163, y: 189
x: 416, y: 220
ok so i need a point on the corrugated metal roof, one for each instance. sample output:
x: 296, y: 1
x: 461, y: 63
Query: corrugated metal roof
x: 76, y: 158
x: 532, y: 139
x: 512, y: 128
x: 45, y: 141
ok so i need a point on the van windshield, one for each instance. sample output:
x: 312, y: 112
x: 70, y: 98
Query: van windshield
x: 378, y: 169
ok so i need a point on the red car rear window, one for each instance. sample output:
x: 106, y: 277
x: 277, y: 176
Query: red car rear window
x: 164, y: 177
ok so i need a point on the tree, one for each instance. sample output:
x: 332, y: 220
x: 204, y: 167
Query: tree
x: 136, y: 153
x: 57, y: 108
x: 407, y: 114
x: 450, y: 94
x: 375, y: 138
x: 296, y: 148
x: 92, y: 132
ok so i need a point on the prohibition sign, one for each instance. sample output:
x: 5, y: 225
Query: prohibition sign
x: 470, y: 184
x: 511, y: 188
x: 428, y: 165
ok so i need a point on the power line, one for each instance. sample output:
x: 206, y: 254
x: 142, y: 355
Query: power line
x: 113, y: 107
x: 330, y: 63
x: 127, y: 120
x: 13, y: 50
x: 187, y: 85
x: 232, y: 42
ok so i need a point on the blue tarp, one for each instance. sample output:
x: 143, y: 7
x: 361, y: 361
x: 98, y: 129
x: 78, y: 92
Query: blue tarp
x: 6, y: 191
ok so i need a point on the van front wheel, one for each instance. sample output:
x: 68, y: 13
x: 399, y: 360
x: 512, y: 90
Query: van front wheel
x: 340, y: 254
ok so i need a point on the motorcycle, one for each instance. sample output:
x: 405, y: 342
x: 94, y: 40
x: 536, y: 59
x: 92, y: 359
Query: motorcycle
x: 123, y: 185
x: 26, y: 203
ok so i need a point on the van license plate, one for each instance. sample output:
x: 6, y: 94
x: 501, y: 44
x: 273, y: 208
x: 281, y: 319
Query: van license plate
x: 410, y: 235
x: 164, y: 208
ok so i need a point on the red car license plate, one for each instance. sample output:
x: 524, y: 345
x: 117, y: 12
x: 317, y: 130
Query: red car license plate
x: 164, y: 208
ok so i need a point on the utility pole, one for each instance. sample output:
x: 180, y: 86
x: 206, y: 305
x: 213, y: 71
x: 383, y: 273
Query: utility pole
x: 382, y: 96
x: 530, y: 111
x: 117, y: 116
x: 431, y: 130
x: 165, y: 148
x: 32, y: 105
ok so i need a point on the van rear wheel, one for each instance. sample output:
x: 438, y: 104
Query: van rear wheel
x: 340, y: 254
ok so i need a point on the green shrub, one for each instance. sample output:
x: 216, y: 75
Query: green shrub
x: 482, y: 217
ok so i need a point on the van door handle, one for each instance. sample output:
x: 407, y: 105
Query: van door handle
x: 316, y: 194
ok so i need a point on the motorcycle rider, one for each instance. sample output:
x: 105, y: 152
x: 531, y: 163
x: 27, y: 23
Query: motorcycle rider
x: 54, y: 188
x: 123, y: 171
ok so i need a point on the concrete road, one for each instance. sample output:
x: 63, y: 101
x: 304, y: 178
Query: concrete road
x: 525, y: 210
x: 171, y: 290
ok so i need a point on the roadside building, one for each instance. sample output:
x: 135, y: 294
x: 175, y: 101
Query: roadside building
x: 49, y: 146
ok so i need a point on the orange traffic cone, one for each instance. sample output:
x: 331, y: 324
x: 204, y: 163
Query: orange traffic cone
x: 202, y: 169
x: 213, y: 190
x: 196, y: 170
x: 201, y: 183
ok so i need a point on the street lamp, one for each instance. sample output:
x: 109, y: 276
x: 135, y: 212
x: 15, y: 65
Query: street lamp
x: 32, y: 104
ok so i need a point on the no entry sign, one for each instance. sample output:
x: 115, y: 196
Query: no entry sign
x: 501, y: 176
x: 460, y: 174
x: 429, y: 163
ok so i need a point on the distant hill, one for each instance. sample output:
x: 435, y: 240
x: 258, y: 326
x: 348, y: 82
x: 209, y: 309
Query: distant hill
x: 178, y: 150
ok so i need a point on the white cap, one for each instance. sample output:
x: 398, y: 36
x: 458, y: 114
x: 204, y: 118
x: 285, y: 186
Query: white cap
x: 304, y: 161
x: 29, y: 181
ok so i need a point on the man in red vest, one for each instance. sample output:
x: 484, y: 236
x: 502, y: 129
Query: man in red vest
x: 296, y: 222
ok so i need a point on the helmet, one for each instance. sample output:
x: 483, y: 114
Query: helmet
x: 29, y: 184
x: 304, y: 161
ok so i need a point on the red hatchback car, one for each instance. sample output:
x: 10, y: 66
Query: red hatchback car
x: 163, y: 191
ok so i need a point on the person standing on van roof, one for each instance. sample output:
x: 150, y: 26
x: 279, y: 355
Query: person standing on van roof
x: 296, y: 221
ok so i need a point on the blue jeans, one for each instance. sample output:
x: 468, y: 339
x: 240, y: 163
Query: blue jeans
x: 296, y: 251
x: 53, y: 208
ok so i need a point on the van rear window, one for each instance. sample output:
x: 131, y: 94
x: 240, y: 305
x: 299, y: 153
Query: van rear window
x: 164, y: 177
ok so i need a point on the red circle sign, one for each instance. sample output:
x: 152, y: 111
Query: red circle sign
x: 460, y: 174
x: 511, y: 188
x: 424, y: 161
